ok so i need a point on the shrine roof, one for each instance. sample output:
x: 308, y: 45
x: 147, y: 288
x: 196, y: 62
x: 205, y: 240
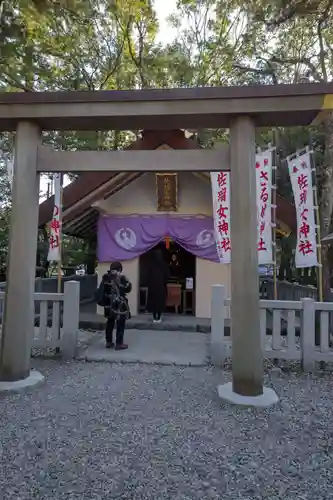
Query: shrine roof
x: 164, y: 109
x: 80, y: 217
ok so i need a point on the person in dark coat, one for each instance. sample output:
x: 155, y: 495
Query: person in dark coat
x: 116, y: 310
x: 157, y: 285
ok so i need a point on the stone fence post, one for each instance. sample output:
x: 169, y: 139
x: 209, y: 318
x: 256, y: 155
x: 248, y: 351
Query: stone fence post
x: 71, y: 313
x: 217, y: 346
x: 308, y: 335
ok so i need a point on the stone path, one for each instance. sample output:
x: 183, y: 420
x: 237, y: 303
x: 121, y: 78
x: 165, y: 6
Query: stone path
x: 152, y: 346
x: 102, y: 431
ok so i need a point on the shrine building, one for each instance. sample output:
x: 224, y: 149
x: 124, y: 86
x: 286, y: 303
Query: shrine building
x: 126, y: 215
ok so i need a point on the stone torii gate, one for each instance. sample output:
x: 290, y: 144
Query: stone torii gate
x: 240, y: 109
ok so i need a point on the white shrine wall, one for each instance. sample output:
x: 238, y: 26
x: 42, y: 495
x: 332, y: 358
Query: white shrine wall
x: 208, y: 274
x: 195, y: 198
x: 139, y: 197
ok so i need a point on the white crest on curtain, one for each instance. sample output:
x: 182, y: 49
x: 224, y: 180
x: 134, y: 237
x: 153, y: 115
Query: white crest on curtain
x: 126, y: 238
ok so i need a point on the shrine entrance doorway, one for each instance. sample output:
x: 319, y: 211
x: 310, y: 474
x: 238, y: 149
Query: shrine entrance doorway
x: 181, y: 282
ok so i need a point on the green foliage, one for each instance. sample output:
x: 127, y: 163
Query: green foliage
x: 5, y: 197
x: 112, y: 44
x: 74, y: 251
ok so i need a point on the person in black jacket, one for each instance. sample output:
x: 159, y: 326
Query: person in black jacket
x: 116, y: 309
x: 157, y: 285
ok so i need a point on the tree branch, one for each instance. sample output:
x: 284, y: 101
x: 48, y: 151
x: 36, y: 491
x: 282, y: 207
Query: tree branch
x: 114, y: 68
x: 137, y: 61
x: 11, y: 80
x: 268, y: 71
x: 322, y: 52
x: 300, y: 8
x: 111, y: 68
x: 301, y: 60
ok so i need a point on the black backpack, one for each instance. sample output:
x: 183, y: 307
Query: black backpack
x: 109, y: 297
x: 99, y: 295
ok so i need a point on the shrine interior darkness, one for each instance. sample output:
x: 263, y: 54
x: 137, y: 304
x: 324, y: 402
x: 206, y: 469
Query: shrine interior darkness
x: 180, y: 262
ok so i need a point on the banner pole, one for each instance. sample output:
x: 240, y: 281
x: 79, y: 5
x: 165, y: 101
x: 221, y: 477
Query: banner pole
x: 60, y: 239
x: 318, y: 229
x: 274, y: 187
x: 60, y: 252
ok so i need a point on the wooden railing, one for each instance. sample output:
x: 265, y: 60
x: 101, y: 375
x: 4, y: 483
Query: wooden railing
x: 50, y: 332
x: 299, y: 330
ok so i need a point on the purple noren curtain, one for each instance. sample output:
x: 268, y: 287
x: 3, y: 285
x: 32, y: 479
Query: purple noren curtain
x: 127, y: 237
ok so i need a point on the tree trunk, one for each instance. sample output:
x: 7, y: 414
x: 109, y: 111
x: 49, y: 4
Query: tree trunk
x: 326, y: 201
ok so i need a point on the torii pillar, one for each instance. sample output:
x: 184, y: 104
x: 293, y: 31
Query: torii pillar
x: 19, y: 314
x: 247, y: 356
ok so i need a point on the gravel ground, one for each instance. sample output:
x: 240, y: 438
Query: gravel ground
x: 109, y: 431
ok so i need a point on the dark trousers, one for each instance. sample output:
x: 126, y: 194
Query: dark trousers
x: 157, y: 315
x: 120, y: 329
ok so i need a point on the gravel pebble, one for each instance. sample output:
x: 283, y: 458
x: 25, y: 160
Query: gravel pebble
x: 117, y: 431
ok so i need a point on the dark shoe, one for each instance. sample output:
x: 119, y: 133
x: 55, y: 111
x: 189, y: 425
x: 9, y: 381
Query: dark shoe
x: 109, y: 345
x: 121, y: 347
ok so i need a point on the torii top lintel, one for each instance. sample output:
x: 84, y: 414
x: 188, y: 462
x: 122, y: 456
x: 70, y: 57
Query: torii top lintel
x: 189, y: 108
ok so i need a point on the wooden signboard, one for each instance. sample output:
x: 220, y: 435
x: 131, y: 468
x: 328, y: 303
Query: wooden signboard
x: 167, y: 192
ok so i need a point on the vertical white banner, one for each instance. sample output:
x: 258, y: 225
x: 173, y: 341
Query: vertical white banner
x: 264, y: 206
x: 221, y: 208
x: 55, y: 228
x: 301, y: 181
